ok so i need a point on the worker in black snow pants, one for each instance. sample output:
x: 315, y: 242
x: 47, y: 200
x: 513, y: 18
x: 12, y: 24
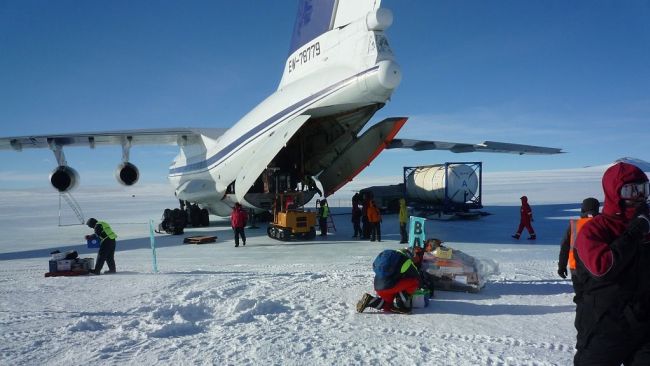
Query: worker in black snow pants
x: 106, y: 247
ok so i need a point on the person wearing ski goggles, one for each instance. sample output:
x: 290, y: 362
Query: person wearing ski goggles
x: 612, y: 253
x: 635, y: 191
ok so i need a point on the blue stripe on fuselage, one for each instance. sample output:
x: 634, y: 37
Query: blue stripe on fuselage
x: 276, y: 118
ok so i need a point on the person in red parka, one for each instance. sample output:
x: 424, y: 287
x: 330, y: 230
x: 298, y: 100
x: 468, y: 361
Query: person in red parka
x: 613, y: 268
x: 526, y: 219
x: 238, y: 219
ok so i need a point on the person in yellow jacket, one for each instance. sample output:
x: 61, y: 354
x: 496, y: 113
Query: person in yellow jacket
x: 403, y: 221
x: 374, y: 219
x: 590, y: 208
x: 106, y: 247
x: 323, y: 214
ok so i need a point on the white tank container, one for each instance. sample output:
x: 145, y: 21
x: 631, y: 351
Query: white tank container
x: 428, y: 183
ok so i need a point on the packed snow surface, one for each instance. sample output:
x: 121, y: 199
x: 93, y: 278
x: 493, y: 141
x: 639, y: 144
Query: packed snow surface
x: 270, y: 302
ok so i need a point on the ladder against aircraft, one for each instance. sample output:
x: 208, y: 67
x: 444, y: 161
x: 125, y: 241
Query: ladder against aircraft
x: 73, y: 204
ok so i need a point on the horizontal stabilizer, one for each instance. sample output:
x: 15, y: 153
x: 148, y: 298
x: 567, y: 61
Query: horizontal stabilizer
x: 487, y: 146
x: 359, y: 154
x: 162, y: 136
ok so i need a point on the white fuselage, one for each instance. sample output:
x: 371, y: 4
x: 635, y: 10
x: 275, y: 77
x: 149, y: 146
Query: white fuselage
x: 340, y: 70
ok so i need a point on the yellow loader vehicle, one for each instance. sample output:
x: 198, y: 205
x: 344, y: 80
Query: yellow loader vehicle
x: 290, y: 222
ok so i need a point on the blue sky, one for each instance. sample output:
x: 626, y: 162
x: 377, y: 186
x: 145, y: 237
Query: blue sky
x: 568, y: 74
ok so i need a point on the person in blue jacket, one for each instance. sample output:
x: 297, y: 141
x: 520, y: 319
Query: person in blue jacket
x: 396, y: 279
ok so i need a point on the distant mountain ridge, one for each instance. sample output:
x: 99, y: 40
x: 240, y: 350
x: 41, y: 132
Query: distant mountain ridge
x: 642, y: 164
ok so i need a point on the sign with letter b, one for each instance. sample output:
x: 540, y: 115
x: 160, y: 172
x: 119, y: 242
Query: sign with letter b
x: 417, y: 236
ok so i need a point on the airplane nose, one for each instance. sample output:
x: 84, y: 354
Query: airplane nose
x: 390, y: 74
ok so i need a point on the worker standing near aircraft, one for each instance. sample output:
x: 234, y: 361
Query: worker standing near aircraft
x: 365, y: 224
x: 526, y: 220
x: 106, y: 251
x: 613, y: 268
x: 323, y: 214
x: 590, y: 208
x: 238, y: 219
x: 374, y: 219
x: 356, y: 217
x: 403, y: 220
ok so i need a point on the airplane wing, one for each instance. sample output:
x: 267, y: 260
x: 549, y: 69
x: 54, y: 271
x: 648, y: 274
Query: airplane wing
x: 486, y: 146
x: 163, y: 136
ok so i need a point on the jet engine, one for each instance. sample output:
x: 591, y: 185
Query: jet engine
x: 64, y: 178
x: 127, y: 174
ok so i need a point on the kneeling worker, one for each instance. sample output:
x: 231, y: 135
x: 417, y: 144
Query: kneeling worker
x: 396, y: 280
x: 106, y: 247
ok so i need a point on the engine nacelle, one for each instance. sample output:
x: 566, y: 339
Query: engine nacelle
x: 379, y: 19
x: 64, y: 178
x: 127, y: 174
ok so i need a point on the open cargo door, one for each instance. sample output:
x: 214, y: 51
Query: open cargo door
x: 267, y: 147
x: 359, y: 154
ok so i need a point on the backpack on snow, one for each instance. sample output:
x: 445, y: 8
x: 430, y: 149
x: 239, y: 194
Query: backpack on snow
x: 388, y: 263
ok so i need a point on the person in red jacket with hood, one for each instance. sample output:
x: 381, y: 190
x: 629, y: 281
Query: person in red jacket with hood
x: 526, y: 219
x: 613, y: 268
x: 238, y: 219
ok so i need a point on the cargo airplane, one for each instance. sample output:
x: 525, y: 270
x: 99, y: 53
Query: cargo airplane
x: 339, y: 72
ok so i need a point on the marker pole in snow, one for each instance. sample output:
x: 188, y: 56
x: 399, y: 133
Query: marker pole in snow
x: 153, y: 248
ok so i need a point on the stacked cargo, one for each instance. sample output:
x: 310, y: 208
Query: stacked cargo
x: 453, y: 270
x: 69, y: 264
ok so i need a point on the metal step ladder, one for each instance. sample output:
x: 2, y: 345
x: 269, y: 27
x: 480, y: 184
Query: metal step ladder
x: 74, y: 205
x: 330, y: 222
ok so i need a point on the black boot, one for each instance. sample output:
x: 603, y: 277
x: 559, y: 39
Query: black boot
x: 403, y: 303
x: 369, y: 300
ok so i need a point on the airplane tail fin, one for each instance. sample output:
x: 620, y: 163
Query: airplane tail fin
x: 316, y: 17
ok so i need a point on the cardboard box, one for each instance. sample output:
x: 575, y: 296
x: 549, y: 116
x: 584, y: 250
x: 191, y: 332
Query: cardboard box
x: 58, y: 256
x: 418, y: 301
x: 77, y: 265
x: 64, y: 265
x: 461, y: 278
x: 444, y: 253
x: 421, y: 298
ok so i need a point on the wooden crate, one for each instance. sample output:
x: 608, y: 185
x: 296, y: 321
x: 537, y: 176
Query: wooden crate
x: 199, y: 239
